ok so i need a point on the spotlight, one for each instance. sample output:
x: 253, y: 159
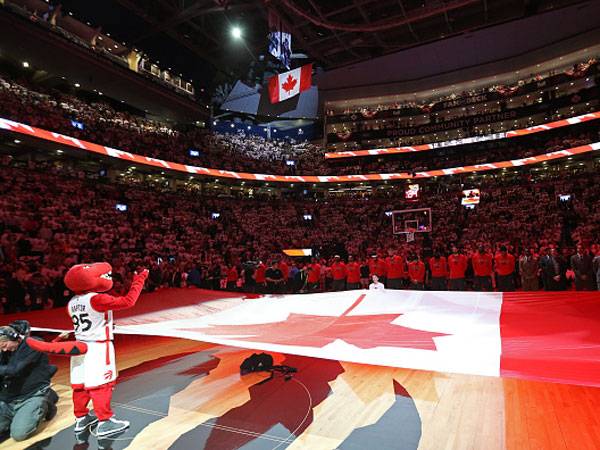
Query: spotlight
x: 25, y: 64
x: 236, y: 32
x: 77, y: 85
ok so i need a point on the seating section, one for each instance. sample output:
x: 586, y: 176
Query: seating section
x: 54, y: 215
x: 99, y: 122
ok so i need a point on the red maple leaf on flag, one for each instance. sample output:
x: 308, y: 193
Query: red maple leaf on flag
x: 317, y: 331
x: 289, y: 83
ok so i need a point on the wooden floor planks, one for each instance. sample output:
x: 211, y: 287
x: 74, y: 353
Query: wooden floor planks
x: 457, y: 412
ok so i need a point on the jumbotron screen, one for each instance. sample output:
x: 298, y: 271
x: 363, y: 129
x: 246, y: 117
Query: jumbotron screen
x: 412, y: 192
x: 470, y: 197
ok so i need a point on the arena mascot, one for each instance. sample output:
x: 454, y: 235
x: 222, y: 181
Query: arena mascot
x: 93, y: 368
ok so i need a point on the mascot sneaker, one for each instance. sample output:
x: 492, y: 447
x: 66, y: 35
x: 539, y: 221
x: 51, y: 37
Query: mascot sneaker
x: 82, y: 423
x: 111, y: 426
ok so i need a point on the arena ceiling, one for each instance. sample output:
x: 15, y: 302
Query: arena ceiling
x: 331, y: 32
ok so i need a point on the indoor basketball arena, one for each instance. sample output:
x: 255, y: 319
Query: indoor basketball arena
x: 299, y: 224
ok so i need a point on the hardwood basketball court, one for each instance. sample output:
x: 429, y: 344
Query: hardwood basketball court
x: 181, y: 394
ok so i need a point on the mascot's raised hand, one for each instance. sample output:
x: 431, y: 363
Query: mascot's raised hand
x: 93, y: 368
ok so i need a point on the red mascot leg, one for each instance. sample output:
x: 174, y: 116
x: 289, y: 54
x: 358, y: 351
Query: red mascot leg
x: 81, y: 398
x: 101, y: 397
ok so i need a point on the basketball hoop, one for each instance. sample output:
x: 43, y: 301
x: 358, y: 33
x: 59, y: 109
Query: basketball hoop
x: 411, y: 221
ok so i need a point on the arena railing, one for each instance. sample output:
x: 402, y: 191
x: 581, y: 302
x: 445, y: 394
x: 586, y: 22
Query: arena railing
x: 24, y: 129
x: 468, y: 140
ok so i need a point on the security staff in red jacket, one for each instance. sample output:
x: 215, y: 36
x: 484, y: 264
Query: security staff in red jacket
x: 416, y: 273
x: 338, y: 273
x: 353, y: 270
x: 457, y: 265
x: 505, y: 270
x: 438, y: 266
x: 396, y: 272
x: 482, y: 269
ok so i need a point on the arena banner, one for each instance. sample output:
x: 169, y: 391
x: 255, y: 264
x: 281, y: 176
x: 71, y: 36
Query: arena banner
x: 133, y: 158
x: 468, y: 140
x: 551, y: 336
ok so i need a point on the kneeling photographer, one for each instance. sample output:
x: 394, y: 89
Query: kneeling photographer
x: 26, y: 398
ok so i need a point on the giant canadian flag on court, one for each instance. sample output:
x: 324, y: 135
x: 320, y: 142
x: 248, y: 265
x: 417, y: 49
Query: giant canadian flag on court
x: 288, y: 84
x: 551, y: 336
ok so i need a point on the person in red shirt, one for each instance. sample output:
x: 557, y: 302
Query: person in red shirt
x: 438, y: 267
x: 373, y: 266
x: 505, y: 270
x: 364, y: 274
x: 232, y: 277
x: 285, y: 272
x: 482, y: 269
x: 381, y: 269
x: 457, y: 266
x: 353, y: 272
x: 314, y: 276
x: 416, y: 273
x: 260, y: 277
x: 338, y: 273
x: 396, y: 272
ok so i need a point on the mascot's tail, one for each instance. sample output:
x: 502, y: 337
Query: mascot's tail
x: 64, y: 348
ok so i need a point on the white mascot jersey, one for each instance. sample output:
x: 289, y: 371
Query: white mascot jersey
x: 95, y: 328
x: 89, y: 324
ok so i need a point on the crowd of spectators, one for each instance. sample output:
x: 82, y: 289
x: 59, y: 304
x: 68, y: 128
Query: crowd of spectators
x: 425, y: 106
x: 99, y: 122
x: 281, y: 156
x: 54, y: 19
x: 480, y: 153
x: 52, y: 216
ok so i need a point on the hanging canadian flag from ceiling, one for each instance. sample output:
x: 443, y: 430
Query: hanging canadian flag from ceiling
x: 288, y: 84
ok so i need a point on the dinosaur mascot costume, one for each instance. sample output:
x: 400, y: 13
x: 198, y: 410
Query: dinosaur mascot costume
x: 93, y: 369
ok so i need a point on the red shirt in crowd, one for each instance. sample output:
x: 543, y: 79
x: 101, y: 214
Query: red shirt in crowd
x: 314, y: 273
x: 285, y: 270
x: 381, y: 267
x: 338, y: 270
x: 396, y: 268
x: 416, y: 271
x: 438, y: 267
x: 505, y: 263
x: 372, y: 266
x: 457, y: 265
x: 353, y: 270
x: 259, y: 276
x: 482, y: 264
x: 232, y: 274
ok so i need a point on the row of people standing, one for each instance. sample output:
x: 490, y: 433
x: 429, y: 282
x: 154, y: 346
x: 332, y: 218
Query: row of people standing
x: 436, y: 273
x: 480, y: 271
